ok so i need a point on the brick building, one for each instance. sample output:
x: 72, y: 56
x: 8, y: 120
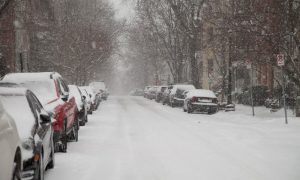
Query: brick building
x: 14, y: 37
x: 7, y: 38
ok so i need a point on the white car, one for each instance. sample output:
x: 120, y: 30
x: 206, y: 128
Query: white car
x: 10, y: 147
x: 200, y: 100
x: 100, y: 88
x: 81, y: 104
x: 34, y: 127
x: 176, y: 96
x: 88, y: 98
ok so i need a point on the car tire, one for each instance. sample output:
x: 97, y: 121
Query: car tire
x: 51, y: 163
x: 75, y: 128
x: 189, y: 109
x: 17, y: 169
x: 40, y: 172
x: 64, y: 138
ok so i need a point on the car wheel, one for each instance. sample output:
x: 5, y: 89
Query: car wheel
x: 86, y: 119
x: 75, y: 128
x: 39, y: 171
x: 52, y: 157
x: 17, y: 169
x: 189, y: 109
x: 64, y: 138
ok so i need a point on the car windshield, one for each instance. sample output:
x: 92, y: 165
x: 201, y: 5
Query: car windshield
x: 44, y: 90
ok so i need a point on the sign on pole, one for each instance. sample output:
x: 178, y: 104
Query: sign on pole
x: 248, y: 64
x: 280, y: 59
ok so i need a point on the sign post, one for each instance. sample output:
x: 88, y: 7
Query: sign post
x: 280, y: 63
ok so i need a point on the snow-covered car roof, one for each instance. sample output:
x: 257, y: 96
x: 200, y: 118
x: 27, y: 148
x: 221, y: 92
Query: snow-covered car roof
x: 201, y: 93
x: 23, y: 77
x: 184, y: 87
x: 42, y: 84
x: 13, y: 91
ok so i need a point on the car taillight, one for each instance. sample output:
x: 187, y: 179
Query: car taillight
x: 194, y: 99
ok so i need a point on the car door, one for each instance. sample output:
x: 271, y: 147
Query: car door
x: 70, y: 103
x: 44, y: 130
x: 8, y: 144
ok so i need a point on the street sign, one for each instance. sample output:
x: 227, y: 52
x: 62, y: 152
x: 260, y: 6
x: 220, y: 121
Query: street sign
x: 280, y: 59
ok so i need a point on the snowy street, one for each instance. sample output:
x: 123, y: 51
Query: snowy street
x: 132, y: 138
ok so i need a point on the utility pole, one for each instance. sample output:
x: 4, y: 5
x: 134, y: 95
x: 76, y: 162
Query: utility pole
x: 249, y: 65
x: 229, y: 97
x: 280, y: 63
x: 252, y: 99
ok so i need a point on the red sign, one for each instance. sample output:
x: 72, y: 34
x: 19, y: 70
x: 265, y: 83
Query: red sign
x: 280, y: 59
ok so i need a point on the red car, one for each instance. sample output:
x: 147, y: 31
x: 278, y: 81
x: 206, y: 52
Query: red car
x: 53, y: 93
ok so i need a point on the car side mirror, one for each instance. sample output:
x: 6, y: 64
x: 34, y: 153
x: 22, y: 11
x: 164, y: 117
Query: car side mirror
x: 65, y: 97
x: 45, y: 118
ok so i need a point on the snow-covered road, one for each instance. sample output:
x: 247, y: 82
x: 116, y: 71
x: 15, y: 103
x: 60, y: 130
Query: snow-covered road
x: 132, y: 138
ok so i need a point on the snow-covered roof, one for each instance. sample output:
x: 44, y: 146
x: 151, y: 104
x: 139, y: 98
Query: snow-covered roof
x: 23, y: 77
x: 40, y: 83
x: 13, y: 91
x: 184, y: 87
x: 201, y: 93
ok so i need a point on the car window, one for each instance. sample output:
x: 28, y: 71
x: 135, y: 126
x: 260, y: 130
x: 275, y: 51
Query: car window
x: 34, y: 108
x: 64, y: 85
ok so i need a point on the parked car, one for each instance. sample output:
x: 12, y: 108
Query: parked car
x: 53, y: 93
x: 93, y: 97
x: 159, y: 93
x: 11, y: 164
x: 176, y: 95
x: 152, y: 92
x: 100, y: 87
x: 88, y: 99
x: 165, y: 96
x: 200, y: 100
x: 146, y: 91
x: 80, y: 100
x: 136, y: 92
x: 35, y: 130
